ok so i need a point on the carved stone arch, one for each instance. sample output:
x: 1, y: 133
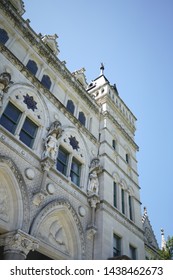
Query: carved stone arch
x: 29, y: 100
x: 116, y: 177
x: 14, y: 202
x: 59, y: 231
x: 123, y: 184
x: 130, y: 190
x: 82, y: 151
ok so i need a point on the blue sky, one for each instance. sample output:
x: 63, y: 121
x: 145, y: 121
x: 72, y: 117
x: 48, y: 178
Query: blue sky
x: 134, y: 40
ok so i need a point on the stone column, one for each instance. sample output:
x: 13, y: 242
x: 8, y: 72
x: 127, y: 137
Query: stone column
x: 38, y: 197
x: 93, y: 201
x: 17, y: 244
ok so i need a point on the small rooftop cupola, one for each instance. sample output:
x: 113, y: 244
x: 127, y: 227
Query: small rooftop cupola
x: 163, y: 241
x: 50, y: 41
x: 19, y: 6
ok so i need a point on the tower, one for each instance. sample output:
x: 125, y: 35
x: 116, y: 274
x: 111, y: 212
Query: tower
x: 119, y: 218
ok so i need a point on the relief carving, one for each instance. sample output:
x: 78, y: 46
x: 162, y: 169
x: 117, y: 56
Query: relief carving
x: 4, y: 205
x: 57, y: 234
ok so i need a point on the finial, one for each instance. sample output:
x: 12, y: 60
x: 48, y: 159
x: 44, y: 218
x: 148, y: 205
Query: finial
x: 102, y: 69
x: 163, y: 241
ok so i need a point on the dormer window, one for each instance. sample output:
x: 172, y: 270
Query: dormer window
x: 82, y: 118
x: 32, y: 66
x: 46, y: 81
x: 3, y: 36
x: 70, y: 106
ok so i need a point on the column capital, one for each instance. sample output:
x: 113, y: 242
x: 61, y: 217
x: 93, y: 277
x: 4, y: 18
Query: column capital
x: 93, y: 200
x: 47, y: 163
x: 18, y: 241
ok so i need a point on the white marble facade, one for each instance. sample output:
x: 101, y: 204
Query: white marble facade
x: 74, y: 180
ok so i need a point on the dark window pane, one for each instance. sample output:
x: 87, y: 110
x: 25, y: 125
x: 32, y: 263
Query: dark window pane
x: 46, y: 81
x: 10, y: 117
x: 3, y: 36
x: 75, y: 172
x: 130, y: 208
x: 70, y: 106
x: 28, y: 132
x: 32, y: 66
x: 115, y: 194
x: 132, y: 252
x: 122, y: 201
x: 82, y: 118
x: 114, y: 144
x: 62, y: 161
x: 116, y: 245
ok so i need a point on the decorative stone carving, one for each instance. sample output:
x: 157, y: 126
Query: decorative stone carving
x: 91, y: 231
x: 23, y: 190
x: 5, y: 79
x: 50, y: 188
x: 39, y: 222
x: 4, y: 205
x: 18, y: 241
x: 82, y: 211
x: 29, y: 173
x: 38, y: 198
x: 93, y: 184
x: 95, y: 165
x: 47, y: 163
x: 54, y: 133
x: 57, y: 234
x: 50, y: 40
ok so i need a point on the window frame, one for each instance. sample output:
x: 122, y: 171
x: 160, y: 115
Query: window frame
x: 65, y: 165
x: 73, y: 172
x: 70, y: 105
x: 10, y: 118
x: 27, y: 133
x: 133, y: 252
x: 115, y: 194
x: 46, y: 81
x: 31, y: 68
x: 117, y: 249
x: 19, y: 125
x: 1, y: 36
x: 82, y: 118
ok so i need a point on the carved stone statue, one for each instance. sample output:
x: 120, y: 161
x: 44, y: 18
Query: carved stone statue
x: 93, y: 184
x: 54, y: 133
x: 5, y: 79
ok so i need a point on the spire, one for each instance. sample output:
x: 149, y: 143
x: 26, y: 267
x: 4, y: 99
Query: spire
x: 102, y: 68
x: 144, y: 215
x: 163, y: 241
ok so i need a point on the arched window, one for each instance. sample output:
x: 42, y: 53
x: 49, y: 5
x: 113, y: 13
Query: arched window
x: 3, y: 36
x: 82, y: 118
x: 32, y: 66
x: 46, y: 81
x: 70, y: 106
x: 10, y: 120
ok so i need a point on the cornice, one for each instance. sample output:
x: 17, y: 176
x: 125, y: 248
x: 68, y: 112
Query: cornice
x: 45, y: 52
x: 126, y: 135
x: 35, y: 82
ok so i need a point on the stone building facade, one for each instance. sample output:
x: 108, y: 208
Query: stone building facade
x: 68, y: 170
